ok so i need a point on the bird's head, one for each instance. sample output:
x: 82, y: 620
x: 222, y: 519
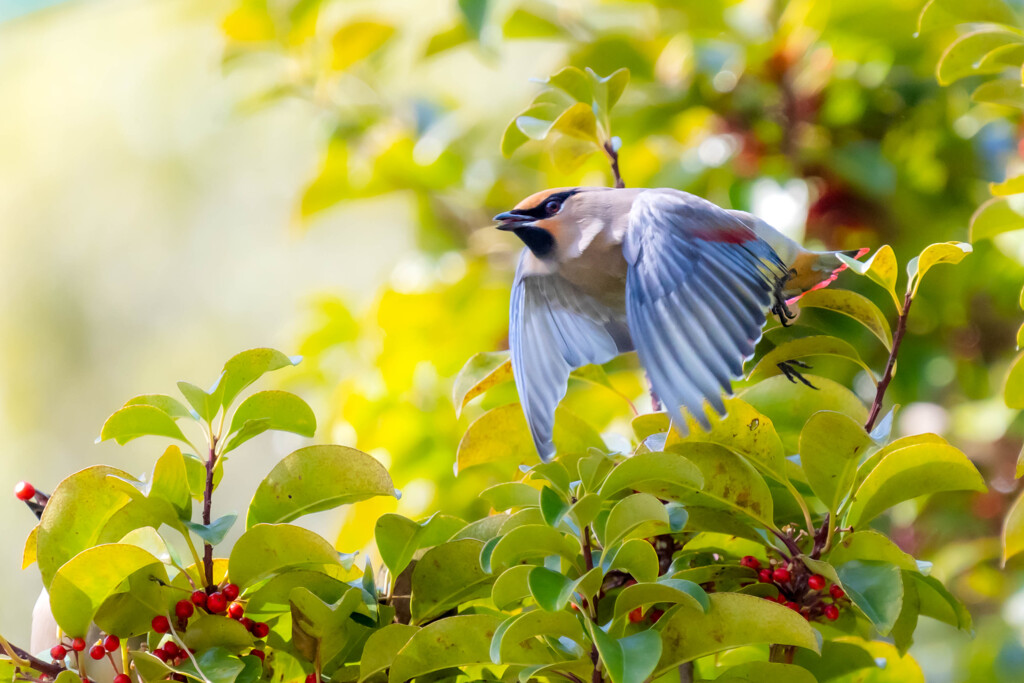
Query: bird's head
x: 540, y: 220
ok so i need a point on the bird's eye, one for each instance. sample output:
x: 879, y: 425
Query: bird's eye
x: 552, y: 207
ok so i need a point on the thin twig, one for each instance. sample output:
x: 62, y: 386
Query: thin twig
x: 23, y: 658
x: 613, y: 159
x: 184, y: 647
x: 588, y: 557
x: 790, y: 544
x: 211, y: 466
x: 890, y: 366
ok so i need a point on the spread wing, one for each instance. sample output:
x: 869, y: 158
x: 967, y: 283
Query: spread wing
x: 553, y: 329
x: 698, y: 285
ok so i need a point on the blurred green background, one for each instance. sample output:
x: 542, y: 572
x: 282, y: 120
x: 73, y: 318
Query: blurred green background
x: 185, y: 179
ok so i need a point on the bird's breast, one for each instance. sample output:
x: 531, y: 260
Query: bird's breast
x: 600, y: 271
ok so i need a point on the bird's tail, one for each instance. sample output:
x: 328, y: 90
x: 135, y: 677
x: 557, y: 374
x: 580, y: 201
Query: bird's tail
x: 816, y: 269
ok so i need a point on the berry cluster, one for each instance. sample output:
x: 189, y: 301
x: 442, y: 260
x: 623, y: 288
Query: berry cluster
x: 102, y: 648
x: 221, y: 601
x: 799, y: 590
x: 637, y: 615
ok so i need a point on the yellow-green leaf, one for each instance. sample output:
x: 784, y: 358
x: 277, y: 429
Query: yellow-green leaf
x: 852, y: 305
x: 815, y: 345
x: 356, y: 41
x: 934, y: 254
x: 578, y: 121
x: 880, y: 268
x: 962, y: 57
x: 831, y: 445
x: 480, y: 373
x: 996, y: 216
x: 1013, y: 390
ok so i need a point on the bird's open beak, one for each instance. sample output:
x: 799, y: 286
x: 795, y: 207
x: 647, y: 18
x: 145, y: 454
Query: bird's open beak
x: 511, y: 220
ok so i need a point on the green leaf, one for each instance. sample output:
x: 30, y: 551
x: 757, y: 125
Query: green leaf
x: 614, y: 84
x: 356, y: 41
x: 635, y: 557
x: 593, y: 469
x: 454, y: 642
x: 870, y: 463
x: 837, y: 659
x: 934, y: 254
x: 578, y: 121
x: 84, y: 582
x: 939, y: 13
x: 211, y: 631
x: 852, y: 305
x: 938, y: 603
x: 268, y: 549
x: 398, y: 538
x: 963, y: 55
x: 447, y: 575
x: 382, y: 647
x: 1013, y: 530
x: 831, y: 445
x: 1013, y: 389
x: 484, y: 370
x: 168, y: 404
x: 1013, y: 185
x: 278, y: 410
x: 665, y: 475
x: 550, y: 589
x: 170, y: 482
x: 730, y: 482
x: 630, y: 659
x: 511, y: 140
x: 533, y: 541
x: 501, y: 435
x: 526, y: 24
x: 328, y: 631
x: 744, y: 431
x: 586, y: 509
x: 911, y: 472
x: 815, y: 345
x: 906, y: 623
x: 574, y: 82
x: 881, y: 268
x: 134, y: 421
x: 766, y: 672
x: 508, y: 641
x: 512, y: 586
x: 216, y: 531
x: 732, y: 621
x: 248, y: 366
x: 206, y: 404
x: 1007, y: 93
x: 552, y: 506
x: 876, y: 588
x: 666, y: 590
x: 76, y: 513
x: 148, y: 666
x: 640, y: 515
x: 314, y: 479
x: 872, y: 546
x: 511, y: 494
x: 996, y: 216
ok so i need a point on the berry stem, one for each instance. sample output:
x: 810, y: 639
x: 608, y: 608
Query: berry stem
x: 890, y: 366
x: 184, y: 648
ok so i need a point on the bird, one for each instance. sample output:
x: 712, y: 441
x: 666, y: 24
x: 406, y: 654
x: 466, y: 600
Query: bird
x: 685, y: 283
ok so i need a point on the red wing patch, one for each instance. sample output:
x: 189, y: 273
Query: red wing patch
x: 731, y: 234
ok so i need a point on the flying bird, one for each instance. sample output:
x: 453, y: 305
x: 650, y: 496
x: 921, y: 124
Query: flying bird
x: 685, y: 283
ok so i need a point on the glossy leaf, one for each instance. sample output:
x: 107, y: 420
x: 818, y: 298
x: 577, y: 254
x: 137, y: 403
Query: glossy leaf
x: 206, y: 404
x: 134, y: 421
x: 480, y: 373
x: 831, y: 446
x: 248, y: 366
x: 665, y: 475
x: 911, y: 472
x: 939, y: 13
x: 267, y: 549
x: 210, y: 630
x: 873, y: 546
x: 666, y: 590
x: 962, y: 56
x: 512, y: 586
x: 314, y: 479
x: 639, y: 515
x: 84, y: 582
x: 996, y: 216
x: 817, y: 345
x: 216, y: 531
x: 730, y: 482
x: 277, y: 410
x: 880, y: 268
x: 168, y: 404
x: 766, y: 672
x: 636, y: 557
x: 852, y: 305
x: 552, y: 506
x: 934, y: 254
x: 935, y: 601
x: 876, y: 588
x: 732, y: 621
x: 1005, y: 92
x: 630, y: 659
x: 382, y: 647
x: 508, y: 640
x: 533, y: 541
x: 447, y: 575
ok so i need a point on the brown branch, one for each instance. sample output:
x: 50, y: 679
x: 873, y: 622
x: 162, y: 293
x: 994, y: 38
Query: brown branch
x: 51, y: 669
x: 211, y: 466
x: 890, y: 366
x: 613, y: 159
x: 588, y: 558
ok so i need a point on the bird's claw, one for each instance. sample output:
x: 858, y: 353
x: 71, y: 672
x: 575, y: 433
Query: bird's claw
x: 788, y: 368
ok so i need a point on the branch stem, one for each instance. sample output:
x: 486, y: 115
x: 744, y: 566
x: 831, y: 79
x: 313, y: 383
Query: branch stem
x: 613, y: 159
x: 588, y: 557
x: 211, y: 466
x: 890, y: 366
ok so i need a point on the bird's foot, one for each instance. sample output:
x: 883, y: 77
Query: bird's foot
x: 781, y: 310
x: 788, y: 368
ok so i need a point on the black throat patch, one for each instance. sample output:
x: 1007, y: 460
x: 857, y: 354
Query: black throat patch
x: 537, y: 240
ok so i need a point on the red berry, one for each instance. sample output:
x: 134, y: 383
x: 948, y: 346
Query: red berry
x: 311, y: 678
x: 247, y: 623
x: 122, y: 678
x: 750, y: 561
x: 111, y: 643
x: 831, y: 612
x: 781, y: 575
x: 58, y: 652
x: 160, y: 624
x: 161, y: 655
x: 24, y: 490
x: 171, y: 648
x: 184, y: 609
x: 793, y: 606
x: 261, y: 630
x: 765, y: 576
x: 235, y: 610
x: 199, y: 598
x: 656, y: 614
x: 781, y: 599
x: 836, y: 592
x: 636, y: 615
x: 258, y: 653
x: 97, y: 652
x: 816, y: 582
x: 216, y: 603
x: 230, y: 591
x: 78, y: 644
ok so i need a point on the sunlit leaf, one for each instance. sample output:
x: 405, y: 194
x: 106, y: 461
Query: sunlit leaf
x: 168, y: 404
x: 880, y: 268
x: 766, y: 672
x: 356, y: 41
x: 577, y: 121
x: 934, y: 254
x: 831, y: 445
x: 533, y: 541
x: 872, y: 546
x: 134, y: 421
x: 480, y: 373
x: 939, y: 13
x: 817, y: 345
x: 962, y: 56
x: 508, y: 640
x: 665, y: 475
x: 730, y: 482
x: 852, y: 305
x: 996, y: 216
x: 630, y: 659
x: 382, y: 647
x: 267, y: 549
x: 248, y: 366
x: 314, y: 479
x: 666, y: 590
x: 636, y: 557
x: 640, y: 515
x: 278, y: 410
x: 1013, y: 389
x: 1013, y: 529
x: 448, y: 575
